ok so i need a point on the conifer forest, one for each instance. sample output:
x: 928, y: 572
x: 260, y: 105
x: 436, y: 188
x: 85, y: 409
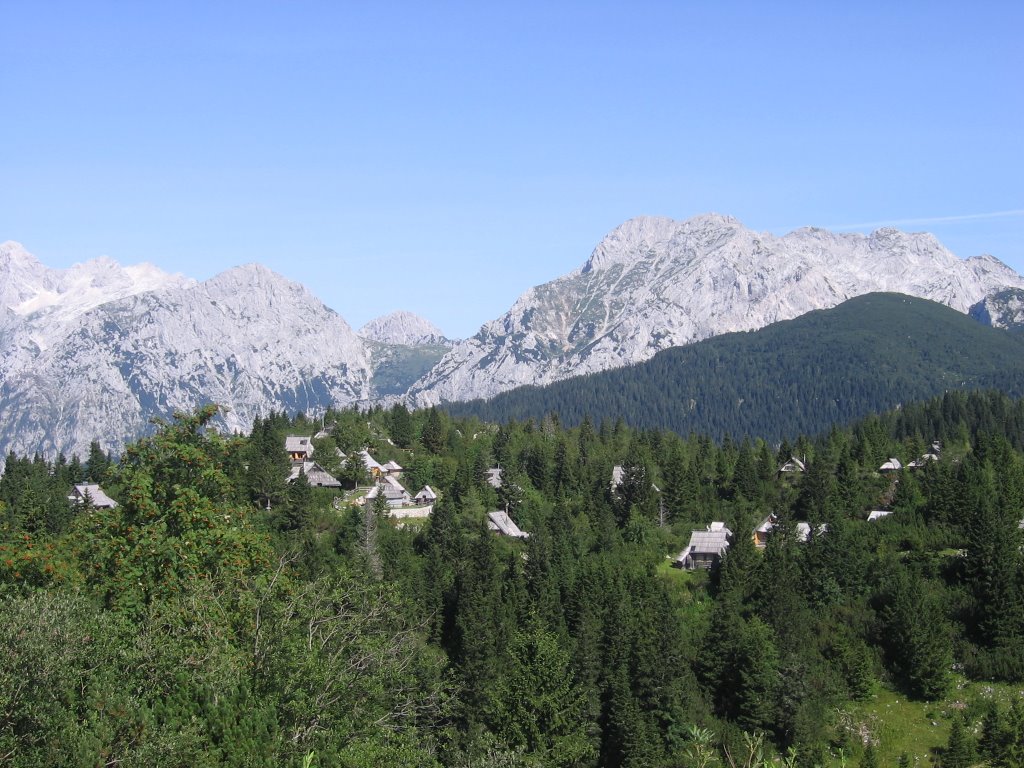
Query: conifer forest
x: 222, y: 615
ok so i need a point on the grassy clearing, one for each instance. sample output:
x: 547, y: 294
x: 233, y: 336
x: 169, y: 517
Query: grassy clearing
x: 689, y: 590
x: 413, y: 524
x: 920, y: 729
x: 894, y: 723
x: 680, y: 577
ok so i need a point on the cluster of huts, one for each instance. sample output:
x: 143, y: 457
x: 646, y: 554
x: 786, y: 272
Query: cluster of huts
x: 706, y: 547
x: 385, y: 478
x: 386, y: 482
x: 704, y: 550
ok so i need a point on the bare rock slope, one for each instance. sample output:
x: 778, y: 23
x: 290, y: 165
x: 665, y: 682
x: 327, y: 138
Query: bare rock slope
x: 403, y: 328
x: 655, y: 283
x: 97, y: 358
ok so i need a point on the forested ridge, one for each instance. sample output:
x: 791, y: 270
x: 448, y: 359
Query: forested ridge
x: 794, y: 377
x: 222, y: 616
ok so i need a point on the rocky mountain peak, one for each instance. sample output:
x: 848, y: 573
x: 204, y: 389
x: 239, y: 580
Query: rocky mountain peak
x: 106, y: 348
x: 645, y: 237
x: 404, y: 328
x: 280, y: 308
x: 253, y: 276
x: 250, y: 275
x: 21, y: 275
x: 654, y: 283
x: 46, y: 301
x: 13, y: 256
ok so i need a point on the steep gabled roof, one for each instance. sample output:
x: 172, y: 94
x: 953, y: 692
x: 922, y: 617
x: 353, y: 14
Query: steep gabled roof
x: 315, y: 475
x: 500, y: 521
x: 99, y: 498
x: 793, y: 465
x: 299, y: 444
x: 714, y: 541
x: 391, y: 489
x: 370, y: 462
x: 709, y: 542
x: 803, y: 530
x: 922, y: 461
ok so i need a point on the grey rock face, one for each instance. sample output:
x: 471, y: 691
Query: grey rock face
x: 96, y: 351
x: 404, y: 328
x: 1003, y: 309
x: 655, y: 283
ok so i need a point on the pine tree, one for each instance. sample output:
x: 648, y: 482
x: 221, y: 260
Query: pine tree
x: 996, y: 737
x: 433, y: 435
x: 477, y: 633
x: 296, y: 512
x: 869, y: 759
x: 745, y: 476
x: 97, y: 463
x: 537, y: 705
x: 959, y: 749
x: 402, y: 432
x: 918, y: 637
x: 993, y: 539
x: 268, y: 465
x: 757, y: 660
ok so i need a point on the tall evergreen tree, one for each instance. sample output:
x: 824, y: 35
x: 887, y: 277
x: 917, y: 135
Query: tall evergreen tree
x: 434, y: 433
x: 97, y: 463
x: 402, y: 431
x: 537, y: 704
x: 959, y: 749
x: 918, y: 636
x: 994, y: 563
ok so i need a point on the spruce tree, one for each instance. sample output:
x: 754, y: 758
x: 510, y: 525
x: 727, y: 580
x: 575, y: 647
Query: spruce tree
x: 402, y: 432
x: 959, y: 749
x: 869, y: 759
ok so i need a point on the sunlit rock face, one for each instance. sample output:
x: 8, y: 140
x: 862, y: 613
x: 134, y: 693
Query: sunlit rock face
x: 655, y: 283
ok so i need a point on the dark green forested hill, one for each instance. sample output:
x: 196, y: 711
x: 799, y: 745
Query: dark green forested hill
x: 800, y: 376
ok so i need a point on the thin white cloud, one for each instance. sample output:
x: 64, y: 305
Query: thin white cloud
x: 929, y: 220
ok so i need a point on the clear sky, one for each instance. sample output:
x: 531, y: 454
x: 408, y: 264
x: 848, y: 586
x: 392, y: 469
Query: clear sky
x: 444, y: 157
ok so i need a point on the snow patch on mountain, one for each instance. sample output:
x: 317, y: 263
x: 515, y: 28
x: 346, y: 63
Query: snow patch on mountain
x: 43, y: 304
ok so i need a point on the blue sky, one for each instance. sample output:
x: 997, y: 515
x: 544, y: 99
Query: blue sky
x: 444, y: 157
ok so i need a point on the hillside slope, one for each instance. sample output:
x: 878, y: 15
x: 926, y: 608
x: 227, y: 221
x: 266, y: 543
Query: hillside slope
x: 799, y: 376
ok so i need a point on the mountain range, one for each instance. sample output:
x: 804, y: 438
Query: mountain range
x: 97, y: 350
x: 655, y: 283
x: 796, y: 377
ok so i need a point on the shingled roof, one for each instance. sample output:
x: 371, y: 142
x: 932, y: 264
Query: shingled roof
x: 96, y: 495
x: 500, y: 522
